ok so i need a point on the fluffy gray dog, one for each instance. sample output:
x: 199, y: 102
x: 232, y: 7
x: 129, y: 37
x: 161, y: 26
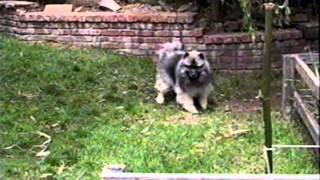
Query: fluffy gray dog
x: 187, y: 73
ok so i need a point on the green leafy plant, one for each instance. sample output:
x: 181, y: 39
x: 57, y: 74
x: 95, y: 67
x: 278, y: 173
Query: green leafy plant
x: 248, y: 21
x: 282, y: 13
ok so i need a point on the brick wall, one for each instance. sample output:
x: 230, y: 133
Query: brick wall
x: 139, y: 34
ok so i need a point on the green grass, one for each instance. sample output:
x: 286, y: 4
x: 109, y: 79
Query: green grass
x: 98, y: 109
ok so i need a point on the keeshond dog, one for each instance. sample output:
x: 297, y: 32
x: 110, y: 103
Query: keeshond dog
x: 188, y: 74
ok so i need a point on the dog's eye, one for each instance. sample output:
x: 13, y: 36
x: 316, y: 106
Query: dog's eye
x: 201, y: 56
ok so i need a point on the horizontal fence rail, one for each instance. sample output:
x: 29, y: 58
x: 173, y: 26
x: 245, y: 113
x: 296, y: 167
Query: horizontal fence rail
x: 160, y: 176
x: 307, y: 75
x: 307, y: 117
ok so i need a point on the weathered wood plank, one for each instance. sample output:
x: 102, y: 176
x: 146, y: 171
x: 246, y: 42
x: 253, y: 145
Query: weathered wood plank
x: 310, y: 58
x: 287, y: 86
x: 307, y: 117
x: 307, y: 75
x: 159, y: 176
x: 281, y: 146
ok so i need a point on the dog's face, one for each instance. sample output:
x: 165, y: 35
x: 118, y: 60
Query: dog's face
x: 193, y: 63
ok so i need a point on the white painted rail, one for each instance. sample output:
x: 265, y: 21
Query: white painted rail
x: 165, y: 176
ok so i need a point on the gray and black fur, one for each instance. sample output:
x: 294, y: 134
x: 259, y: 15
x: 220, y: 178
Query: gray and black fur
x: 187, y: 73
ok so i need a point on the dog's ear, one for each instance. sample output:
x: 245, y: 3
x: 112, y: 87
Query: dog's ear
x: 186, y: 55
x: 201, y: 56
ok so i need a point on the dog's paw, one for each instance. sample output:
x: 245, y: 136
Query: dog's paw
x: 191, y: 108
x: 204, y: 105
x: 160, y: 99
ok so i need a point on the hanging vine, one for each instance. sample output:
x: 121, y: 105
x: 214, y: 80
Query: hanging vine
x: 248, y: 21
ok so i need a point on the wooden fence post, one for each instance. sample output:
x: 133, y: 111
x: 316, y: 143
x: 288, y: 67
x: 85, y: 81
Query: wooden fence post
x: 266, y: 102
x: 287, y: 86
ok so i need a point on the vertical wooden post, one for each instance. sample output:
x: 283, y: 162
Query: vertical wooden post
x: 269, y: 9
x: 287, y: 86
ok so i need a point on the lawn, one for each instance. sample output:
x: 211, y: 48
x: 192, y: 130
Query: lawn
x: 98, y: 108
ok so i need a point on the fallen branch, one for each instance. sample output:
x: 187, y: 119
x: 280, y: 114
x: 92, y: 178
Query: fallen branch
x: 44, y: 152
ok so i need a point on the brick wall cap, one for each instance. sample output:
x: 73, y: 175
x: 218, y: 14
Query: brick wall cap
x: 161, y: 17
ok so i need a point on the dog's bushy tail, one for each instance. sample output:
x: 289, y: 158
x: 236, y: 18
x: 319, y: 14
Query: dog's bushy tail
x: 166, y: 50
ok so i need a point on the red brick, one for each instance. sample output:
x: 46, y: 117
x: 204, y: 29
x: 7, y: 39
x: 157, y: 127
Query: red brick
x: 141, y: 18
x: 246, y: 38
x: 213, y: 39
x: 130, y: 45
x: 217, y: 40
x: 108, y: 32
x: 158, y: 18
x: 227, y: 39
x: 145, y: 33
x: 91, y: 32
x: 198, y: 32
x: 118, y: 39
x: 189, y: 40
x: 110, y: 18
x: 148, y: 46
x: 131, y: 18
x: 196, y: 46
x: 297, y: 34
x: 163, y: 33
x: 122, y: 18
x: 127, y: 33
x: 111, y: 45
x: 185, y: 18
x: 117, y: 25
x: 154, y: 40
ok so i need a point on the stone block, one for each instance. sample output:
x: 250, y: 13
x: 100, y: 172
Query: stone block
x: 57, y: 8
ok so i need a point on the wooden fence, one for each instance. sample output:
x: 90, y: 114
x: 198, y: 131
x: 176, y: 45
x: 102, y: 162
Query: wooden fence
x: 300, y: 90
x: 172, y: 176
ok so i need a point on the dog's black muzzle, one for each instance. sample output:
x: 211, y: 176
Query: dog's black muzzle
x: 193, y: 74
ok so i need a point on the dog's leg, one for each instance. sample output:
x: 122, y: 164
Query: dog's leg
x: 204, y: 102
x: 162, y: 88
x: 204, y: 97
x: 160, y: 98
x: 187, y: 102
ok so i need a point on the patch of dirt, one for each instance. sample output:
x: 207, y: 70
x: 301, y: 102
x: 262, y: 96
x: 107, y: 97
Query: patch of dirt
x: 250, y: 106
x: 241, y: 106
